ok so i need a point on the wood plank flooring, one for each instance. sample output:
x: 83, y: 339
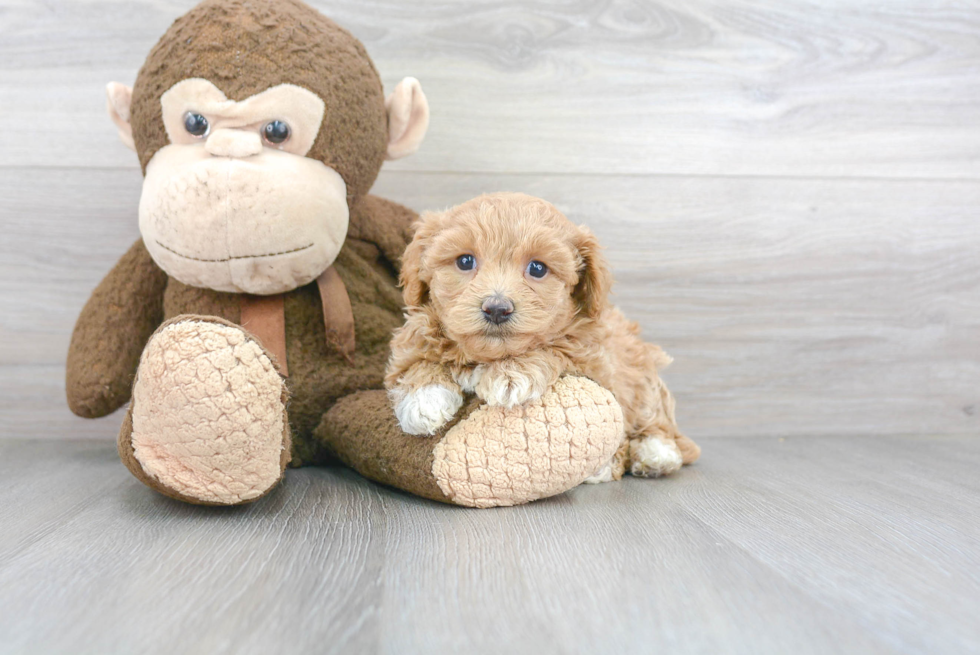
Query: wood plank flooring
x: 769, y: 545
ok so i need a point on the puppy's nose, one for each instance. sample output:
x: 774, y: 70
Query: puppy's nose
x: 497, y: 309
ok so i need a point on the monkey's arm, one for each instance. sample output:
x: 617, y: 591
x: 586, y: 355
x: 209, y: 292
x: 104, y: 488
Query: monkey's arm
x: 385, y: 224
x: 110, y: 333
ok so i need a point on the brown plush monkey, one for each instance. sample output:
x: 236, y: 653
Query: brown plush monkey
x: 252, y: 320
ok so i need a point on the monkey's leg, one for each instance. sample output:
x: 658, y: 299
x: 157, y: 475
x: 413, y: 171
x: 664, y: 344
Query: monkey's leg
x: 207, y: 423
x: 490, y: 456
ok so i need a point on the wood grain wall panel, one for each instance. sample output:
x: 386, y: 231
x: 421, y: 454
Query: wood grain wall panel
x: 792, y: 306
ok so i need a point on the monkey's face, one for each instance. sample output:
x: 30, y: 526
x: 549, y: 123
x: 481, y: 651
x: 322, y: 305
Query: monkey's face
x: 233, y: 203
x: 258, y: 125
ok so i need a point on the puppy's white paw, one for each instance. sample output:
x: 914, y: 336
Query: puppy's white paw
x: 468, y: 378
x: 426, y: 409
x: 507, y: 389
x: 651, y: 457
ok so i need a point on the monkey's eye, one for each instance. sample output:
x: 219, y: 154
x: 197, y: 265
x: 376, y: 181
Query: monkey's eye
x: 537, y: 269
x: 195, y: 124
x: 275, y: 132
x: 466, y: 262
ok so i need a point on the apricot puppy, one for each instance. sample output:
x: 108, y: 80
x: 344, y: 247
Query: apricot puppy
x: 504, y: 295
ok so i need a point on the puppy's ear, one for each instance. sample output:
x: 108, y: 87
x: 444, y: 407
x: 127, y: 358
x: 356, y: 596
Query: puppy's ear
x: 415, y: 290
x: 592, y: 291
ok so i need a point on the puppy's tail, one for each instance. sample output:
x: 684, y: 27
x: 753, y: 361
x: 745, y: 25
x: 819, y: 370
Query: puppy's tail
x: 690, y: 451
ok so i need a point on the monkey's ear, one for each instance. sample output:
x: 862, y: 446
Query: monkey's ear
x: 408, y: 118
x: 118, y: 99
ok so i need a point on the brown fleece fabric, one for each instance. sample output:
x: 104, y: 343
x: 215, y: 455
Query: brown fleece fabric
x: 384, y: 223
x: 246, y: 46
x: 110, y: 333
x: 361, y: 430
x: 178, y: 297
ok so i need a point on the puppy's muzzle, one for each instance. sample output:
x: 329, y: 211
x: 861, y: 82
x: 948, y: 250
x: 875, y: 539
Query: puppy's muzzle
x: 497, y: 309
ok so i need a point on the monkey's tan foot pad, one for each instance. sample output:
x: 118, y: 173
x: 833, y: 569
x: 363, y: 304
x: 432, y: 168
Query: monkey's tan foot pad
x: 500, y: 456
x: 207, y: 423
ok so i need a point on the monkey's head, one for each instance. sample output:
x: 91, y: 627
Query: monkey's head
x: 258, y: 124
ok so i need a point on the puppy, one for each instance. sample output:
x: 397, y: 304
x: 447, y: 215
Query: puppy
x: 504, y: 295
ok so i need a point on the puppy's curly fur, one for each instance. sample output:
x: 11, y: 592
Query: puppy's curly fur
x: 492, y: 324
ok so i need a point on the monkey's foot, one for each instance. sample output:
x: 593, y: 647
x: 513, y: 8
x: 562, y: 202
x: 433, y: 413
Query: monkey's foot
x: 207, y: 423
x: 491, y: 456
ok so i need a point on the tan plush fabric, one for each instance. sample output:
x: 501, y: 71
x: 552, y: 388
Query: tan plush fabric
x: 119, y: 98
x: 408, y: 118
x: 262, y: 225
x: 503, y: 456
x: 208, y: 415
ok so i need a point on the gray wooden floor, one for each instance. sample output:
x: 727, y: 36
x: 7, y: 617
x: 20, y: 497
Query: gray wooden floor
x: 768, y: 545
x: 788, y: 192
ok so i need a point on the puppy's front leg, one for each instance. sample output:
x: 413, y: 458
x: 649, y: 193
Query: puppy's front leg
x: 425, y: 398
x: 511, y: 382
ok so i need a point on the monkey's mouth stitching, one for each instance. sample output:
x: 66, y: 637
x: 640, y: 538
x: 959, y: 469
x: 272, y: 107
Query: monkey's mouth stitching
x: 228, y: 259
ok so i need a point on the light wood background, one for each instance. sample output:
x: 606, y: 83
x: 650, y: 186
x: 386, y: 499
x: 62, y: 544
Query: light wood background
x: 789, y: 193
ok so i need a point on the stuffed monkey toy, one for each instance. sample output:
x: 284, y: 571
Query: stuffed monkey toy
x: 249, y: 327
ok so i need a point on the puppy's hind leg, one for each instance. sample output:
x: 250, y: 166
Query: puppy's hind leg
x: 654, y: 455
x: 657, y: 447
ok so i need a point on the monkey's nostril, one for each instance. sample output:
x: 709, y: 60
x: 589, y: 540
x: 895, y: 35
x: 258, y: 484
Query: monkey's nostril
x: 497, y: 310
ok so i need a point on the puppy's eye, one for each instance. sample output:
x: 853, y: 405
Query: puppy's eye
x: 537, y: 269
x: 195, y: 124
x: 466, y: 262
x: 276, y: 132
